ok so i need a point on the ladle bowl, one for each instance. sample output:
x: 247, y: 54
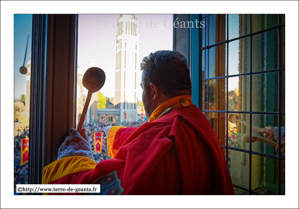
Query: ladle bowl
x: 23, y: 70
x: 93, y: 80
x: 232, y: 118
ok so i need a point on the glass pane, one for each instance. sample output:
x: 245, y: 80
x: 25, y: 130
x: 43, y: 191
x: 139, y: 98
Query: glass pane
x: 239, y: 191
x: 203, y: 95
x: 265, y: 51
x: 282, y: 47
x: 239, y: 168
x: 239, y: 56
x: 265, y: 92
x: 239, y: 93
x: 282, y: 91
x: 217, y: 28
x: 203, y: 34
x: 206, y: 114
x: 22, y: 85
x: 238, y: 25
x: 263, y: 21
x: 217, y: 61
x: 264, y: 175
x: 203, y: 64
x: 260, y: 143
x: 282, y: 129
x: 282, y: 175
x: 218, y: 121
x: 282, y: 19
x: 217, y: 94
x: 238, y: 130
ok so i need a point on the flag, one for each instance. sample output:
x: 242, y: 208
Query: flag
x: 24, y: 151
x: 98, y: 142
x: 106, y: 116
x: 125, y: 115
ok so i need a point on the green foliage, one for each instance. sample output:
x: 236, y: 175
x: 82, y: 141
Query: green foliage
x: 23, y: 97
x: 102, y: 101
x: 140, y: 103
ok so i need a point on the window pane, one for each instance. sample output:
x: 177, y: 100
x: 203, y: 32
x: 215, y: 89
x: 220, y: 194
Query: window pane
x: 239, y: 93
x: 260, y: 143
x: 265, y: 92
x: 239, y: 56
x: 203, y: 107
x: 238, y: 25
x: 282, y: 124
x: 239, y: 191
x: 203, y: 34
x: 264, y: 175
x: 117, y: 44
x: 282, y: 19
x: 218, y: 121
x: 22, y: 85
x: 239, y: 168
x: 265, y: 51
x: 238, y: 130
x: 282, y: 175
x: 262, y: 22
x: 217, y: 28
x: 203, y: 64
x: 217, y: 61
x: 217, y: 94
x: 282, y: 47
x: 282, y: 91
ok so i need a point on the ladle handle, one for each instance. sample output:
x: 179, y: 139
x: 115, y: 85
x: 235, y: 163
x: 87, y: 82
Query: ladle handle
x: 254, y: 127
x: 267, y: 141
x: 84, y: 111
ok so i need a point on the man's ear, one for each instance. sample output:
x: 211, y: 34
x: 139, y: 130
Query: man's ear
x: 154, y: 91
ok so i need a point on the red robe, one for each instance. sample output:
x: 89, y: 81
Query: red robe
x: 177, y: 154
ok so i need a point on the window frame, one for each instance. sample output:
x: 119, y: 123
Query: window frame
x: 194, y: 57
x: 53, y: 88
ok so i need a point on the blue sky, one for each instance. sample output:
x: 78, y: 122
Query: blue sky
x: 22, y: 28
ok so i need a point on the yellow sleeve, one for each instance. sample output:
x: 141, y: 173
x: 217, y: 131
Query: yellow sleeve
x: 66, y: 166
x: 110, y: 140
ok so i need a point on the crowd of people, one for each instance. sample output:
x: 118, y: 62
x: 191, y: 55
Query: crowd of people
x: 21, y: 171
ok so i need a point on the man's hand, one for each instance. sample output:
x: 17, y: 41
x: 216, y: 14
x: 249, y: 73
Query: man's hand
x: 268, y: 132
x: 75, y: 144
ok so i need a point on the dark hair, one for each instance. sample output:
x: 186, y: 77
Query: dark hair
x: 168, y: 70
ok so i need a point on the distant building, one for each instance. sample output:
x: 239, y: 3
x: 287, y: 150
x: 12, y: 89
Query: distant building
x: 127, y: 56
x: 19, y: 106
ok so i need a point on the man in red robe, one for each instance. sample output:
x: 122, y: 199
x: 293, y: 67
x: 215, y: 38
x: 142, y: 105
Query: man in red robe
x: 176, y: 152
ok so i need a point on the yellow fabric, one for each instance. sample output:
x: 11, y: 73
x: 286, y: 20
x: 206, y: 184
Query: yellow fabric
x: 66, y: 166
x: 169, y: 103
x: 110, y: 140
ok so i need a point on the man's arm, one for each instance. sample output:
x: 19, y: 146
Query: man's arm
x: 117, y: 135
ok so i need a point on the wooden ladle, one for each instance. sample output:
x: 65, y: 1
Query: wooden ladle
x: 245, y: 138
x: 93, y: 80
x: 233, y: 118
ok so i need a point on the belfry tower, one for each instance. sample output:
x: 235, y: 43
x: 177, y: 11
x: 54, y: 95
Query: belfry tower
x: 127, y: 56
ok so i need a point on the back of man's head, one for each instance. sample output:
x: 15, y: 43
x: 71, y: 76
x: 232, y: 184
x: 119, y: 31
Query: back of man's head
x: 169, y: 71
